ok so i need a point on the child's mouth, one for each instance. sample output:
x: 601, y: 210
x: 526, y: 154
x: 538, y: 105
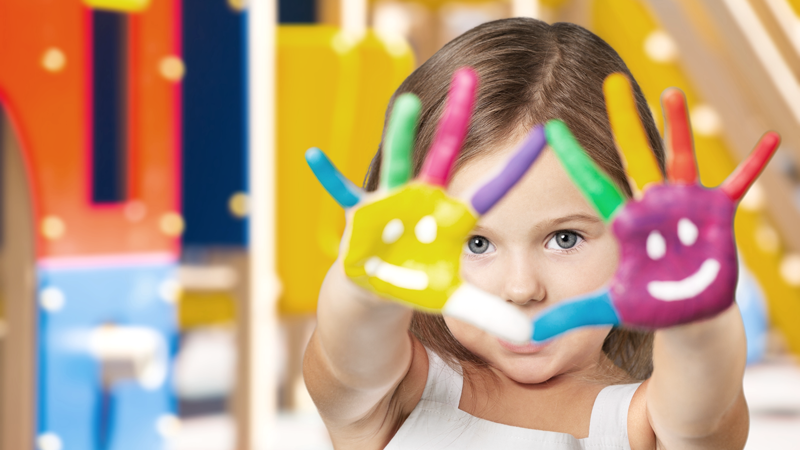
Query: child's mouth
x: 525, y: 349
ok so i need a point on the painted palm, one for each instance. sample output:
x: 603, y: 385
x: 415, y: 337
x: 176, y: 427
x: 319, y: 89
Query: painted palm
x: 404, y: 241
x: 678, y: 256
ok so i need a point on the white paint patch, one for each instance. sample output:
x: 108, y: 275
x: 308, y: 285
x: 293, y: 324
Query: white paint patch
x: 489, y: 313
x: 689, y: 287
x: 392, y: 231
x: 401, y: 277
x: 687, y: 232
x: 656, y: 245
x: 426, y: 229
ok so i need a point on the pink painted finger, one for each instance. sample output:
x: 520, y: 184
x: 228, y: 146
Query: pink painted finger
x: 452, y: 128
x: 737, y: 183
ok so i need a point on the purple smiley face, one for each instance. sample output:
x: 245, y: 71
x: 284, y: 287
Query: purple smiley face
x: 678, y: 257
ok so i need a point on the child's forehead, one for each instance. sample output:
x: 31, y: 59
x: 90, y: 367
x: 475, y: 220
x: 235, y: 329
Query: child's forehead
x: 545, y: 174
x: 545, y: 192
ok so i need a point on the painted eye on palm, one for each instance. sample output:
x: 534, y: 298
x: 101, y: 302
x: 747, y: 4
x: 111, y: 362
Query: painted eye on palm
x: 404, y: 241
x: 678, y: 260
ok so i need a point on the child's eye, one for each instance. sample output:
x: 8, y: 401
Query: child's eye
x: 478, y: 245
x: 564, y: 240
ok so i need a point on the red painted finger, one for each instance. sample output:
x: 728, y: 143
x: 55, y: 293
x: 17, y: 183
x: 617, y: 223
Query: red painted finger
x: 737, y: 183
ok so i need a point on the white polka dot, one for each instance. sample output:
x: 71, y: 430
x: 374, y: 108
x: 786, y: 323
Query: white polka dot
x: 687, y: 231
x: 49, y: 441
x: 656, y: 245
x: 426, y: 230
x: 52, y: 299
x: 170, y: 290
x: 392, y: 231
x: 168, y: 426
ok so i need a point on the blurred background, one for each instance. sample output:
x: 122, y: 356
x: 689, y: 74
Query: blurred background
x: 162, y: 242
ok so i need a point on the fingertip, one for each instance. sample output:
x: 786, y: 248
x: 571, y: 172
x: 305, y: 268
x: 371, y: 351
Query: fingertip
x: 313, y: 155
x: 465, y: 78
x: 772, y: 138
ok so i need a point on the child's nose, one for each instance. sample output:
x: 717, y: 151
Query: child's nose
x: 523, y: 286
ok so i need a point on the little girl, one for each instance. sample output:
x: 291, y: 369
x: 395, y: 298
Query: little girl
x: 386, y: 376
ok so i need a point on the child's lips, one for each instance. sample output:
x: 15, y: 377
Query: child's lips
x: 525, y: 349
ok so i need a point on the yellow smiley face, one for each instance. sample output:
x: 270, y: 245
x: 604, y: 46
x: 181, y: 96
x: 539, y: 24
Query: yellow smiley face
x: 409, y: 245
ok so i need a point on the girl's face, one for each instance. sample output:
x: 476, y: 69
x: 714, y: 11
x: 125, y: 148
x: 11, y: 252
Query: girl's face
x: 542, y: 244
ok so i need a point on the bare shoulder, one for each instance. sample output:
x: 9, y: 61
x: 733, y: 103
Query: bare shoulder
x: 731, y: 432
x: 376, y: 428
x: 640, y: 434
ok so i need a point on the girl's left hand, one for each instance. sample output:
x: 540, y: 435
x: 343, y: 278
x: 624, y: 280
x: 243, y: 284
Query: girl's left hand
x: 678, y: 255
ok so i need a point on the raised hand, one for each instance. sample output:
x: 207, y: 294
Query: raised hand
x: 678, y: 255
x: 404, y: 241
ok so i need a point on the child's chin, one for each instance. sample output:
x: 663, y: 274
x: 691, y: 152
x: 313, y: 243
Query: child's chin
x: 531, y: 370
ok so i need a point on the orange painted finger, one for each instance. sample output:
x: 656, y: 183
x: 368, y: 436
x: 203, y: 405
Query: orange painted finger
x: 681, y: 164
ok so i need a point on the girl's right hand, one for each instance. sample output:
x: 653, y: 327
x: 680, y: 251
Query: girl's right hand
x: 404, y: 241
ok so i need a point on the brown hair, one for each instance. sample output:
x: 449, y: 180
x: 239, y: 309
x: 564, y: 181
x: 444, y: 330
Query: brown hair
x: 529, y: 72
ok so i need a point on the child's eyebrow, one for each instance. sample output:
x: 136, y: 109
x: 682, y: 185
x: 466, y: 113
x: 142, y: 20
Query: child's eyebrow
x: 552, y: 223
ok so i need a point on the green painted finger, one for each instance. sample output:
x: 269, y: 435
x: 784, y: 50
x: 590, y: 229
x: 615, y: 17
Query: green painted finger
x: 396, y: 167
x: 590, y: 179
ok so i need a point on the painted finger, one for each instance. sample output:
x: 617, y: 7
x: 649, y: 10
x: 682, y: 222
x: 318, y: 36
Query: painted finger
x: 340, y: 188
x: 592, y: 310
x: 489, y: 313
x: 596, y: 186
x: 490, y: 193
x: 737, y: 183
x: 396, y: 165
x: 681, y: 165
x: 629, y: 134
x: 452, y: 128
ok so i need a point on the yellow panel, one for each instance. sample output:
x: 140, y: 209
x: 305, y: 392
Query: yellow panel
x: 625, y: 24
x: 332, y: 94
x: 197, y: 309
x: 119, y: 5
x: 795, y: 4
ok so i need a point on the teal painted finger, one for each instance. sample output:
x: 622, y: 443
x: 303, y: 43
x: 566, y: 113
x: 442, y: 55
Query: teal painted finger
x: 340, y: 188
x: 396, y: 166
x: 596, y: 186
x: 593, y: 309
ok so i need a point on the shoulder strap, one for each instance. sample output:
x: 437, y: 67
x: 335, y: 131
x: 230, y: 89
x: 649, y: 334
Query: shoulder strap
x: 444, y: 384
x: 610, y: 413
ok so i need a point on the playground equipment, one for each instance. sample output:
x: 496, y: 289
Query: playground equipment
x: 105, y: 254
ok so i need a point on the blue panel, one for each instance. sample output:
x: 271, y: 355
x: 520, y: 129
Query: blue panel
x: 297, y: 11
x: 73, y: 403
x: 109, y: 108
x: 214, y: 122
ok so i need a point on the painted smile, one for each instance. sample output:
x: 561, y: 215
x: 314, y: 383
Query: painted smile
x: 689, y: 287
x: 401, y: 277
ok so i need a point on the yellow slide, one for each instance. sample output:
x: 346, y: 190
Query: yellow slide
x: 332, y: 93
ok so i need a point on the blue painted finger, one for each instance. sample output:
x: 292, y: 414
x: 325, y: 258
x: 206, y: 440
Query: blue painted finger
x: 593, y: 309
x: 340, y: 188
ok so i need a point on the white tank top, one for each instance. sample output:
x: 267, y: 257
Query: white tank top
x: 437, y: 423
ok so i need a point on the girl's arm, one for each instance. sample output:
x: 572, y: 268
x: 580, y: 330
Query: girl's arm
x: 358, y: 355
x: 694, y: 398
